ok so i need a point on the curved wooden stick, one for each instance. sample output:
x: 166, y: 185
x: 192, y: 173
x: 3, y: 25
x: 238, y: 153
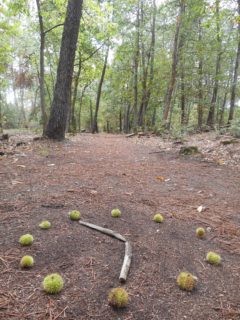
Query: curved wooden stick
x: 104, y: 230
x: 126, y: 262
x: 128, y: 248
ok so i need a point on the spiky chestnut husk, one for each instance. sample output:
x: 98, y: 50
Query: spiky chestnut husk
x: 118, y: 298
x: 213, y: 258
x: 53, y: 283
x: 27, y: 262
x: 186, y: 281
x: 45, y: 225
x: 200, y: 232
x: 115, y: 213
x: 158, y: 218
x: 75, y: 215
x: 26, y: 239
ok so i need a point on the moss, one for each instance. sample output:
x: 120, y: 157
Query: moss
x: 45, y: 225
x: 158, y: 218
x: 213, y: 258
x: 186, y: 281
x: 115, y: 213
x: 189, y: 150
x: 75, y: 215
x: 53, y: 283
x: 200, y: 232
x: 27, y: 262
x: 26, y: 239
x: 118, y: 298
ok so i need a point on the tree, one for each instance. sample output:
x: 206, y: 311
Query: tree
x: 56, y: 126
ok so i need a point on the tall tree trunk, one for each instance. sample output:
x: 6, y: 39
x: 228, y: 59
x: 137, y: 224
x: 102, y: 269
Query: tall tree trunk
x: 42, y: 71
x: 73, y: 125
x: 135, y: 69
x: 184, y: 116
x: 62, y: 93
x: 1, y: 115
x: 212, y: 109
x: 126, y: 120
x: 235, y: 76
x: 200, y: 79
x: 99, y: 92
x: 148, y: 68
x: 175, y: 58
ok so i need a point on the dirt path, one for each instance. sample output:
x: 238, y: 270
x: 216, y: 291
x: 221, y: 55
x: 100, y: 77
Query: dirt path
x: 95, y: 174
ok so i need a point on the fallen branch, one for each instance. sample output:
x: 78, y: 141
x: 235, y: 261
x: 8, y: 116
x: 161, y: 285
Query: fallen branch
x: 104, y: 230
x: 126, y: 262
x: 131, y: 135
x: 128, y: 248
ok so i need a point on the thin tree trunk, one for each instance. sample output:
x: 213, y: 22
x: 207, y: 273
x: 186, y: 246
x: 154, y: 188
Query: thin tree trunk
x: 1, y: 115
x: 62, y: 93
x: 42, y: 71
x: 148, y: 69
x: 99, y: 92
x: 212, y: 109
x: 126, y: 122
x: 175, y: 58
x: 200, y: 79
x: 235, y: 76
x: 73, y: 126
x: 135, y: 70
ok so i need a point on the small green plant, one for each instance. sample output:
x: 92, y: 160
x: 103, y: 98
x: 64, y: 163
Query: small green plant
x: 27, y: 262
x: 186, y: 281
x: 75, y: 215
x: 45, y: 224
x: 115, y: 213
x: 200, y: 232
x: 213, y: 258
x: 26, y: 239
x: 118, y: 298
x: 53, y: 283
x: 158, y: 218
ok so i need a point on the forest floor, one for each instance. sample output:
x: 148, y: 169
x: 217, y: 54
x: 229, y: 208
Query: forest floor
x: 141, y: 176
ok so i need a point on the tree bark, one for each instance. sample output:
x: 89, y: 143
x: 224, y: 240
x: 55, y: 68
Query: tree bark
x: 42, y: 71
x: 200, y: 79
x: 56, y: 126
x: 235, y: 76
x: 99, y: 92
x: 175, y: 58
x: 135, y: 70
x: 212, y: 109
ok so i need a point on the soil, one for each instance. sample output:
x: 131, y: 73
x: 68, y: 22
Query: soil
x: 141, y: 176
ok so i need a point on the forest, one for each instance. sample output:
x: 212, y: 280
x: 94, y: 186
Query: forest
x: 119, y: 159
x: 138, y: 65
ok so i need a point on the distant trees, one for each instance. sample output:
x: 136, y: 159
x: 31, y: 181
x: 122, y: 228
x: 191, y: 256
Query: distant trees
x: 138, y: 65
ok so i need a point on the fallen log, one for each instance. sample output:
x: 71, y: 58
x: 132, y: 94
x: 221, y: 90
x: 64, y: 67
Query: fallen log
x: 104, y: 230
x: 126, y: 262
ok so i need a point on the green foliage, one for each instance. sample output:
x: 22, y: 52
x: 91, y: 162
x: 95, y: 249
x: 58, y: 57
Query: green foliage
x: 118, y: 298
x: 75, y: 215
x: 115, y: 213
x: 27, y: 262
x: 213, y: 258
x: 186, y: 281
x: 53, y: 283
x: 26, y: 239
x: 45, y: 224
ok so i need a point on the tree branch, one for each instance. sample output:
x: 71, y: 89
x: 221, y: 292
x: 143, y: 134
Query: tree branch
x: 56, y: 26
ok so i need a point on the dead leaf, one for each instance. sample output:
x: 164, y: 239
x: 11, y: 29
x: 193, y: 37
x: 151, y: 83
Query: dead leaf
x: 93, y: 192
x: 21, y: 166
x: 160, y: 178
